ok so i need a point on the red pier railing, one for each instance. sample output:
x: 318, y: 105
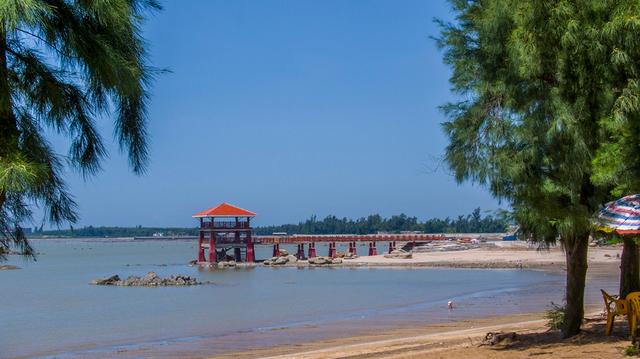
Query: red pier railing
x: 320, y: 238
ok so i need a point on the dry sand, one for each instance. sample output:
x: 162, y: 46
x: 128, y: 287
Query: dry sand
x: 502, y: 255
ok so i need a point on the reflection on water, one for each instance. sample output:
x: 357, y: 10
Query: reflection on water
x: 48, y: 307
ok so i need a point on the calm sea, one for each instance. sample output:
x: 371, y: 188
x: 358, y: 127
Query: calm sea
x: 48, y: 309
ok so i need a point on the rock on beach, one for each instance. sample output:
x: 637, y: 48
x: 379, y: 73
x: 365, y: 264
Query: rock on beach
x: 8, y: 267
x: 399, y: 254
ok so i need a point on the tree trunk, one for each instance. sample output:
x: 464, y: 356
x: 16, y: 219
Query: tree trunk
x: 576, y: 255
x: 629, y: 268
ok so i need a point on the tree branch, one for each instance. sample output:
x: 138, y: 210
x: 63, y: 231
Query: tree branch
x: 60, y: 52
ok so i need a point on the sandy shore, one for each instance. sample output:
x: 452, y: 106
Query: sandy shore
x: 505, y: 255
x: 463, y: 339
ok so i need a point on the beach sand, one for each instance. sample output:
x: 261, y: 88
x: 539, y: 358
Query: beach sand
x: 502, y: 255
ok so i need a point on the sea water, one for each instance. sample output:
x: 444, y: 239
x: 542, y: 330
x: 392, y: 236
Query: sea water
x: 48, y: 309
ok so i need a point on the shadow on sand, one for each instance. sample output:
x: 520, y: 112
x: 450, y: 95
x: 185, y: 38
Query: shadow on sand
x: 545, y: 343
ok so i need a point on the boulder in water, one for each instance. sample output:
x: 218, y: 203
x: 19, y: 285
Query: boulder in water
x: 281, y: 261
x: 151, y: 279
x: 107, y: 281
x: 320, y: 260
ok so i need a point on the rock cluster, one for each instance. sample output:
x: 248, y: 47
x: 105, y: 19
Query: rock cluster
x: 348, y: 255
x: 448, y: 246
x: 324, y: 261
x: 284, y: 258
x: 234, y: 264
x: 151, y: 279
x: 399, y: 254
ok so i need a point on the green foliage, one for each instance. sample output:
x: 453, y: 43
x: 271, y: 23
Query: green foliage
x: 528, y: 124
x: 555, y: 316
x: 631, y: 351
x: 64, y: 64
x: 617, y: 161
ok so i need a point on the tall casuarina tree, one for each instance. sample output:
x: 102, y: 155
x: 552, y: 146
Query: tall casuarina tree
x: 548, y: 95
x: 63, y: 64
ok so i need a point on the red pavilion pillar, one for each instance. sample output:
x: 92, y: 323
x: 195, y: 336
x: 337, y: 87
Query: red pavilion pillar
x: 212, y: 248
x: 392, y: 246
x: 276, y: 250
x: 200, y: 249
x: 312, y: 250
x: 250, y: 254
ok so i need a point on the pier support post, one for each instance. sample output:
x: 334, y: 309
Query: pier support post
x: 237, y: 255
x: 212, y: 248
x: 312, y: 250
x: 200, y: 249
x: 392, y: 246
x: 250, y: 254
x: 276, y: 250
x: 352, y: 248
x: 373, y: 251
x: 332, y: 249
x: 300, y: 253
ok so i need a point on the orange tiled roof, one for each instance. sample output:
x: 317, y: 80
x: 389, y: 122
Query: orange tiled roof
x: 225, y: 210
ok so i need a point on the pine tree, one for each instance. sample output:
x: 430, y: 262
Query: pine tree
x: 63, y: 64
x: 617, y: 161
x: 539, y: 89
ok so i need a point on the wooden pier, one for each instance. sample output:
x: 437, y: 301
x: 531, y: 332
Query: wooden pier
x: 352, y: 239
x: 227, y: 228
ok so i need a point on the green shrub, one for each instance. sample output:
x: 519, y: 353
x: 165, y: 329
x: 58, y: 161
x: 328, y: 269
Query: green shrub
x: 555, y: 316
x: 631, y: 351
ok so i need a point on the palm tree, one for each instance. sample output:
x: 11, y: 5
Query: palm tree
x: 63, y: 64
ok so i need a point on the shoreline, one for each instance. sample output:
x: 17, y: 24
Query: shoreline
x: 458, y: 339
x: 498, y: 257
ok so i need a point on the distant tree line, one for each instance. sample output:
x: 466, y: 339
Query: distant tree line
x: 472, y: 223
x: 138, y: 231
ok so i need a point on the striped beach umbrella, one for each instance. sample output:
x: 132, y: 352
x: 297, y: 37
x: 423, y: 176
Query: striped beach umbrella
x: 621, y: 216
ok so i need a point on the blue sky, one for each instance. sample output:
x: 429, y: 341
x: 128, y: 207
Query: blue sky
x: 288, y: 108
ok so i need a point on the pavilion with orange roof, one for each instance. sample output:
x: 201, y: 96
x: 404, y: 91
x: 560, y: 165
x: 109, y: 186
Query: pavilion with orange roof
x: 225, y: 227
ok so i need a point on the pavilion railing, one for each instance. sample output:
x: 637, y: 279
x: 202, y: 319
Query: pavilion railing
x: 225, y: 225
